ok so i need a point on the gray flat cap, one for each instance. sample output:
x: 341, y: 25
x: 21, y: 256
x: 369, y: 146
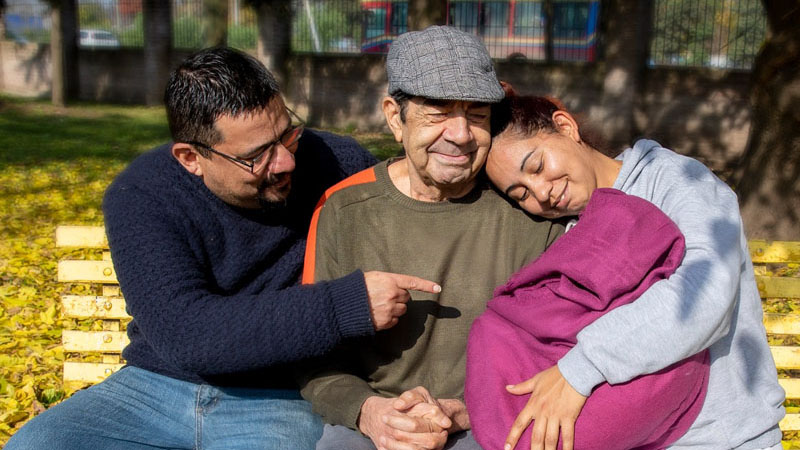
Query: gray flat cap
x: 442, y: 63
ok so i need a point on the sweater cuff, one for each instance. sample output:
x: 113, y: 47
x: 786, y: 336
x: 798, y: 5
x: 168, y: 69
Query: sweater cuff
x: 350, y: 305
x: 352, y: 412
x: 579, y: 371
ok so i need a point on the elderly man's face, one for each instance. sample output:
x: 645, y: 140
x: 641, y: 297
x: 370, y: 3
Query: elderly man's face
x: 446, y: 141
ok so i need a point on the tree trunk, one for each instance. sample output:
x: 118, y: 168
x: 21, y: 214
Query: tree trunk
x: 2, y: 38
x: 768, y: 177
x: 64, y: 52
x: 274, y: 37
x: 215, y: 23
x: 627, y: 34
x: 157, y: 48
x: 2, y: 20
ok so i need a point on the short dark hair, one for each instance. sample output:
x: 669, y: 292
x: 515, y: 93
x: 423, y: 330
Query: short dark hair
x: 211, y: 83
x: 402, y: 101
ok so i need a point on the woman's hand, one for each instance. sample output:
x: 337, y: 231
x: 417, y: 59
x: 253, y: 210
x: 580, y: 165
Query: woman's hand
x: 553, y: 405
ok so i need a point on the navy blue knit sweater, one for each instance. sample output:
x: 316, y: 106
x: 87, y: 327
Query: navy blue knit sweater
x: 213, y: 289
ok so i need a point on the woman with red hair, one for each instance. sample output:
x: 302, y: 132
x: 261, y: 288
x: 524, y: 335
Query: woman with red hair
x: 602, y: 342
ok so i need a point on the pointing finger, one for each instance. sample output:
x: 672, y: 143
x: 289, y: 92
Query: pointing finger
x: 416, y: 284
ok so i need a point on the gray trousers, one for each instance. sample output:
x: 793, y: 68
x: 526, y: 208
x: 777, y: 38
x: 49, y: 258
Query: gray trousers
x: 337, y: 437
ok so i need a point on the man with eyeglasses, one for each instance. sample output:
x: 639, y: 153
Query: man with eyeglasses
x: 207, y: 236
x: 276, y: 186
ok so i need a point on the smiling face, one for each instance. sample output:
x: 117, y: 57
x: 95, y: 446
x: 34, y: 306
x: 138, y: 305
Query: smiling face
x: 246, y: 136
x: 550, y: 174
x: 446, y: 144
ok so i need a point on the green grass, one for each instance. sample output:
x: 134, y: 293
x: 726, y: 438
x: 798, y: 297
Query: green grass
x: 55, y: 164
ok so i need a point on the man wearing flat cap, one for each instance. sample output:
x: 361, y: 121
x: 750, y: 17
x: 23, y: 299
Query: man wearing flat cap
x: 432, y: 214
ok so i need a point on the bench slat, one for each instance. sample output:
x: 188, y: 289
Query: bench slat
x: 774, y: 251
x: 88, y: 372
x: 778, y: 287
x: 786, y: 357
x: 94, y: 341
x: 89, y: 306
x: 790, y: 423
x: 81, y: 236
x: 86, y: 271
x: 782, y: 323
x: 791, y: 386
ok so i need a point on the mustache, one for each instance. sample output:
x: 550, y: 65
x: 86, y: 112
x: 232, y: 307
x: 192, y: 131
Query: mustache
x: 273, y: 179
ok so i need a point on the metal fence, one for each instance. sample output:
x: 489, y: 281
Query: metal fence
x: 707, y: 33
x: 123, y: 18
x: 336, y: 26
x: 519, y: 28
x: 27, y: 21
x: 697, y: 33
x: 510, y: 28
x: 119, y: 23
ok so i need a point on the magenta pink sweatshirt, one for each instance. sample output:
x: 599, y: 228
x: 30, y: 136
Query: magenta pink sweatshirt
x: 621, y: 246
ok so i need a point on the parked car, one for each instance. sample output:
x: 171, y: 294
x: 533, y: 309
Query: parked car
x: 98, y: 39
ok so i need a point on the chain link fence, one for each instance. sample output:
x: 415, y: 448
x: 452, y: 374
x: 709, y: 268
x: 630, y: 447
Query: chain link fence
x: 707, y: 33
x: 119, y: 23
x: 691, y: 33
x: 518, y: 29
x: 27, y: 21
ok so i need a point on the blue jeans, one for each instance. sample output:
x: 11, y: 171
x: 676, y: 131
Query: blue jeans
x: 138, y: 409
x: 337, y: 437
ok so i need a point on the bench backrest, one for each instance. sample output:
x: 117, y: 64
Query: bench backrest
x: 93, y: 355
x: 770, y: 258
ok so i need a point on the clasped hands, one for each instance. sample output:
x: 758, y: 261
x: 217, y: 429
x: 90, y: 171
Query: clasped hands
x: 413, y: 421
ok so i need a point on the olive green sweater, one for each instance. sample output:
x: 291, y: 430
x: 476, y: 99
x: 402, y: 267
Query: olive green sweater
x: 468, y: 246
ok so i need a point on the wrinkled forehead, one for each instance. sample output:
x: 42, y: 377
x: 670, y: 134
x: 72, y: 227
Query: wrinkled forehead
x: 448, y: 103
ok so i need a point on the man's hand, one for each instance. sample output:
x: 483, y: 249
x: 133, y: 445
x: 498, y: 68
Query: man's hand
x: 388, y: 295
x: 453, y: 409
x: 553, y: 404
x: 394, y: 424
x: 419, y: 403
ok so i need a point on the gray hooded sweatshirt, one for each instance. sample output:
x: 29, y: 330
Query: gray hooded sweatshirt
x: 711, y: 301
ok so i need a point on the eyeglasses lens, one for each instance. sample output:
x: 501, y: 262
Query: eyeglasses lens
x: 289, y: 140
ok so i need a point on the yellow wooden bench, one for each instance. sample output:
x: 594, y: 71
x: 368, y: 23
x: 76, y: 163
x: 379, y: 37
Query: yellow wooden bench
x: 781, y: 326
x: 104, y: 347
x: 91, y: 355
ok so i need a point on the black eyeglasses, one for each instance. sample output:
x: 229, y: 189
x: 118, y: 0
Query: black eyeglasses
x: 290, y: 140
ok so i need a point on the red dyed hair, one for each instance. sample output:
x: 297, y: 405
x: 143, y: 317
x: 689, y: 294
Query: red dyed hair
x: 528, y: 115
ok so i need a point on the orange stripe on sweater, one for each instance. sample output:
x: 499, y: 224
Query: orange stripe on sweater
x: 309, y: 264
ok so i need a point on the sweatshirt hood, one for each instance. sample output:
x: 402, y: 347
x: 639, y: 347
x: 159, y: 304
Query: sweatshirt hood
x: 634, y: 160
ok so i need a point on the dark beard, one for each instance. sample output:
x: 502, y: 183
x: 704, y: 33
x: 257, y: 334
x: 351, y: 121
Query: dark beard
x: 273, y: 206
x: 266, y: 190
x: 278, y: 211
